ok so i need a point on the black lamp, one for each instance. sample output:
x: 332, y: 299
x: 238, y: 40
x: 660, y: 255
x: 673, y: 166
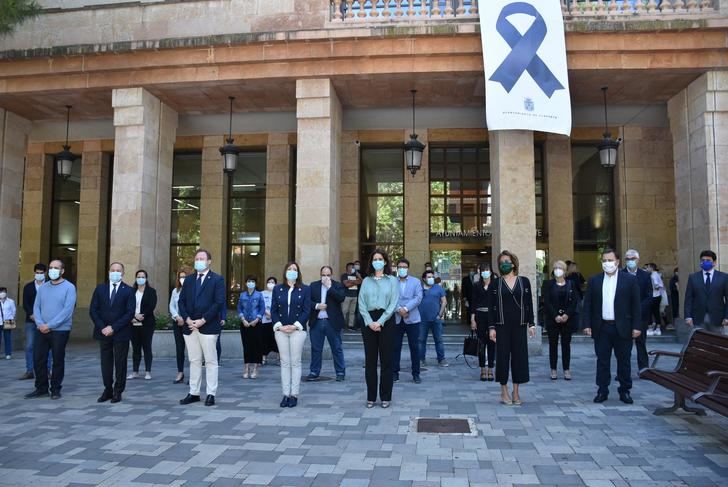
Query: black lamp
x: 608, y: 147
x: 230, y: 151
x: 414, y: 148
x: 65, y: 158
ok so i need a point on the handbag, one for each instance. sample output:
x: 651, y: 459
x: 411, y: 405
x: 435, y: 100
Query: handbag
x: 471, y: 345
x: 7, y: 324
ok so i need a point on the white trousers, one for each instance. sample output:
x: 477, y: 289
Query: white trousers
x: 199, y: 345
x: 290, y: 349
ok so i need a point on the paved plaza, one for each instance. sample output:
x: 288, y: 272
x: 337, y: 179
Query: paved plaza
x: 558, y: 437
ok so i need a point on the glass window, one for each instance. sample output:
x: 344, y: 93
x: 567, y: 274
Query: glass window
x: 593, y: 191
x: 382, y: 201
x: 64, y: 219
x: 185, y: 221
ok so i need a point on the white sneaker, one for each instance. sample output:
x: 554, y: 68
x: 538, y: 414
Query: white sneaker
x: 658, y: 332
x: 8, y: 357
x: 133, y: 375
x: 650, y: 332
x: 148, y: 376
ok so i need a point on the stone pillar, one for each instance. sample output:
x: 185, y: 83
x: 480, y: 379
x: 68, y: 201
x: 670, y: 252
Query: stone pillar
x: 699, y: 126
x: 349, y: 199
x: 213, y: 203
x: 14, y: 132
x: 142, y: 190
x: 92, y: 228
x: 318, y: 175
x: 417, y: 210
x: 514, y: 205
x: 559, y: 200
x: 278, y: 193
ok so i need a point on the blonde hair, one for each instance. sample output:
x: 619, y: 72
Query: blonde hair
x: 560, y: 264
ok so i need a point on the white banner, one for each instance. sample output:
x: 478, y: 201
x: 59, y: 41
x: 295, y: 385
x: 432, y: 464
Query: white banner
x: 524, y: 54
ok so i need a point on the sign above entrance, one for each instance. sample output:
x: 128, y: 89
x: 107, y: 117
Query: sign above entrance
x: 524, y: 55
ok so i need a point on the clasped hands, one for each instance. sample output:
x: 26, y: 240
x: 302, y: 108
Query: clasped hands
x: 195, y: 324
x: 248, y: 324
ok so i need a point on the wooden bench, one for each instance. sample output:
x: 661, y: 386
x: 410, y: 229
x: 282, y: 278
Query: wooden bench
x: 701, y: 374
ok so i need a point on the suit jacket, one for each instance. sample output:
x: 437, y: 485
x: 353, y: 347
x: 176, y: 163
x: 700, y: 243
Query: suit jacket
x: 552, y: 304
x: 208, y: 303
x: 334, y: 297
x: 699, y: 302
x: 627, y: 310
x: 117, y: 315
x: 497, y: 290
x: 147, y: 306
x: 410, y: 298
x: 644, y: 281
x: 29, y: 293
x: 298, y: 311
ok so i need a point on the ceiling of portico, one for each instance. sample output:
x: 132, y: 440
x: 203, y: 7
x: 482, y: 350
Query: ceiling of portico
x: 364, y: 91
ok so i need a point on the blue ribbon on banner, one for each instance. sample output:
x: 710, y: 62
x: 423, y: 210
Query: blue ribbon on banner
x: 523, y: 55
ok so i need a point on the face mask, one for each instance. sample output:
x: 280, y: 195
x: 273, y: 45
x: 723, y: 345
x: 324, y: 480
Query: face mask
x: 114, y: 277
x: 39, y: 277
x: 430, y: 281
x: 270, y: 286
x: 609, y: 267
x: 485, y: 274
x: 378, y: 265
x: 505, y: 267
x: 706, y: 265
x: 558, y: 273
x: 291, y: 275
x: 181, y: 281
x: 141, y: 281
x: 357, y: 267
x: 631, y: 264
x: 3, y: 295
x: 200, y: 265
x: 402, y: 272
x: 54, y: 274
x: 250, y: 284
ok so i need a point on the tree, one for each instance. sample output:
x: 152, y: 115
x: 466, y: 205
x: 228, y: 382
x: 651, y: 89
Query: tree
x: 15, y: 12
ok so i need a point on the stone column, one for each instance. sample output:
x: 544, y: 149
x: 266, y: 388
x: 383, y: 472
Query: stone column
x: 142, y: 190
x: 318, y: 175
x: 14, y: 132
x: 417, y: 210
x: 278, y: 193
x: 514, y: 205
x: 349, y: 200
x: 92, y: 225
x: 213, y: 203
x: 699, y: 126
x: 559, y: 200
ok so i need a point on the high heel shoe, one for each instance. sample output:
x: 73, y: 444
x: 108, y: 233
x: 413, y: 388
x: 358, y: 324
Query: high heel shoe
x: 246, y: 372
x: 506, y: 399
x: 180, y: 378
x: 254, y: 372
x: 553, y: 374
x: 491, y: 377
x: 483, y: 375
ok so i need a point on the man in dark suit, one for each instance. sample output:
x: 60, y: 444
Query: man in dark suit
x: 612, y: 316
x: 29, y: 292
x: 706, y: 296
x: 111, y: 310
x: 201, y: 301
x: 325, y: 322
x: 644, y: 281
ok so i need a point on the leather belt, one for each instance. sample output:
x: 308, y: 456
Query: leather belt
x: 609, y: 322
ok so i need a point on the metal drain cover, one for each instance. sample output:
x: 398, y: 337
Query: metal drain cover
x: 458, y: 426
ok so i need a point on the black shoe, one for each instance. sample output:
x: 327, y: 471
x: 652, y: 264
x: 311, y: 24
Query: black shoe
x: 55, y: 395
x: 105, y: 396
x: 284, y: 402
x: 416, y: 379
x: 26, y: 376
x: 396, y: 377
x: 36, y: 393
x: 625, y: 397
x: 189, y: 399
x: 311, y: 378
x: 116, y: 398
x: 210, y: 400
x: 292, y: 402
x: 340, y: 378
x: 180, y: 380
x: 600, y: 398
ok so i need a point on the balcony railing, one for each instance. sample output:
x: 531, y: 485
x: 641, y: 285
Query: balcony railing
x: 413, y: 10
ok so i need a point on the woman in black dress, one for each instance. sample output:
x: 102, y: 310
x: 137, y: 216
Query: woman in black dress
x: 511, y: 321
x: 560, y: 301
x: 479, y: 321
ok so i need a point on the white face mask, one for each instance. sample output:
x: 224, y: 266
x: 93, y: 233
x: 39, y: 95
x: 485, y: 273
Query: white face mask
x: 3, y: 295
x: 181, y: 281
x: 558, y: 273
x: 609, y: 267
x: 270, y: 286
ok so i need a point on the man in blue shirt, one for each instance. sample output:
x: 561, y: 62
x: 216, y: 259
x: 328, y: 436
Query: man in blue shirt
x: 432, y: 309
x: 408, y: 319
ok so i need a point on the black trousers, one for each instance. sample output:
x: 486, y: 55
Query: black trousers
x: 114, y: 355
x: 55, y: 341
x: 141, y: 339
x: 413, y: 339
x: 179, y: 347
x: 379, y: 345
x: 655, y: 310
x: 268, y: 338
x: 252, y: 338
x: 486, y: 345
x: 640, y: 344
x: 605, y: 344
x: 511, y: 351
x: 563, y: 331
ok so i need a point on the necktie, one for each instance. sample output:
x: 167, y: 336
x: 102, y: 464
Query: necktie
x: 113, y: 294
x: 707, y: 281
x: 198, y: 284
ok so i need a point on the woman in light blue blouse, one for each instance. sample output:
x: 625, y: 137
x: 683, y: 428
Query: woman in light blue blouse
x: 378, y: 297
x: 251, y: 309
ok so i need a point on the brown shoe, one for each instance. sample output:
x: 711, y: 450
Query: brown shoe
x: 26, y: 376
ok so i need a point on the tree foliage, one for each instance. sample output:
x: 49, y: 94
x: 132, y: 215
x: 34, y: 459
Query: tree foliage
x: 15, y: 12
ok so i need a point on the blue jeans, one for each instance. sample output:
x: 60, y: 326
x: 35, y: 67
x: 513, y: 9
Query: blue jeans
x: 413, y: 338
x: 29, y: 340
x: 8, y: 337
x: 436, y: 327
x: 323, y: 329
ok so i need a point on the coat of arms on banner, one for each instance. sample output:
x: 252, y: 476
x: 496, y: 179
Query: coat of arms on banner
x: 528, y: 104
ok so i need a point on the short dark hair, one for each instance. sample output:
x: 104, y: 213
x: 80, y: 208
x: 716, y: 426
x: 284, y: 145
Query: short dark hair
x: 653, y: 265
x: 206, y: 252
x: 349, y: 264
x: 3, y: 289
x: 326, y: 267
x: 357, y: 261
x: 272, y: 278
x: 251, y: 277
x: 428, y: 263
x: 403, y: 261
x: 610, y: 250
x: 709, y: 253
x: 383, y: 253
x: 39, y: 267
x: 299, y: 279
x: 424, y: 274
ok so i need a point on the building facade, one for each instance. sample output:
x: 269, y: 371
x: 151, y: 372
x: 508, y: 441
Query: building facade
x: 322, y: 109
